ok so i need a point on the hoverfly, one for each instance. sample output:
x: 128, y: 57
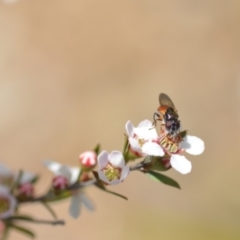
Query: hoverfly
x: 167, y: 114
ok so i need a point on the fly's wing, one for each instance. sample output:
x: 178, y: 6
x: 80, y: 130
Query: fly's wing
x: 165, y: 100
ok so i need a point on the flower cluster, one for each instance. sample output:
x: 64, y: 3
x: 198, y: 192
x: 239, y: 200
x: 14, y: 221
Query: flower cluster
x: 144, y: 141
x: 146, y: 150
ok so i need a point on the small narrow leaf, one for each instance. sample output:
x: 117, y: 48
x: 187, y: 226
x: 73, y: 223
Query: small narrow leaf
x: 35, y: 179
x: 16, y: 183
x: 125, y: 146
x: 102, y: 187
x: 51, y: 211
x: 97, y: 149
x: 114, y: 193
x: 183, y: 133
x: 21, y: 217
x: 163, y: 178
x: 100, y: 184
x: 22, y: 230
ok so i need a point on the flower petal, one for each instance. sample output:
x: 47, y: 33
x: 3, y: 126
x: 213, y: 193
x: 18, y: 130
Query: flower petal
x: 116, y: 159
x: 4, y: 189
x: 87, y: 202
x: 102, y: 176
x: 125, y: 172
x: 75, y: 205
x: 146, y: 133
x: 12, y: 202
x: 192, y: 145
x: 75, y: 171
x: 52, y: 166
x: 145, y: 123
x: 129, y: 128
x: 135, y: 144
x: 152, y: 149
x: 64, y: 171
x: 27, y: 177
x: 181, y: 164
x: 103, y: 159
x: 5, y: 171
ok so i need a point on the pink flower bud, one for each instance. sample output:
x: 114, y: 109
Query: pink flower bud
x: 88, y: 160
x: 60, y: 182
x: 26, y: 190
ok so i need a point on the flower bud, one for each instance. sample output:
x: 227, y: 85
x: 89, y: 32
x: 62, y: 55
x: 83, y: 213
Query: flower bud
x: 88, y: 160
x: 60, y: 182
x: 26, y: 190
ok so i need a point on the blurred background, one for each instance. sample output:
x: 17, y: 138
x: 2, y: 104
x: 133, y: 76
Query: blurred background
x: 73, y: 72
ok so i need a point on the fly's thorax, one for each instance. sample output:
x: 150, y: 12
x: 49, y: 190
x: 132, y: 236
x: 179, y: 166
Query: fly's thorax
x: 169, y: 118
x: 171, y: 127
x: 162, y: 111
x: 170, y: 114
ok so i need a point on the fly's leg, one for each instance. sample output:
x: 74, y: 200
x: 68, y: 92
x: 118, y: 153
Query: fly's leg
x: 156, y: 117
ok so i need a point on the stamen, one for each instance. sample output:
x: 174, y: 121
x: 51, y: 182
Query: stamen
x: 111, y: 172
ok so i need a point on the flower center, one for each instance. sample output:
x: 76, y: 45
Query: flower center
x: 111, y: 172
x: 4, y: 205
x: 141, y: 142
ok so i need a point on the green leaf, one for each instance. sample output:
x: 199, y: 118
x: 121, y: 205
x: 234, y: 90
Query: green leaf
x: 97, y: 149
x: 22, y: 230
x: 51, y: 211
x: 163, y: 178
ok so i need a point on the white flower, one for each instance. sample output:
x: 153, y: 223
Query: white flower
x: 191, y: 144
x: 143, y: 139
x: 7, y: 202
x: 8, y: 177
x: 78, y: 196
x: 112, y: 169
x: 70, y: 173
